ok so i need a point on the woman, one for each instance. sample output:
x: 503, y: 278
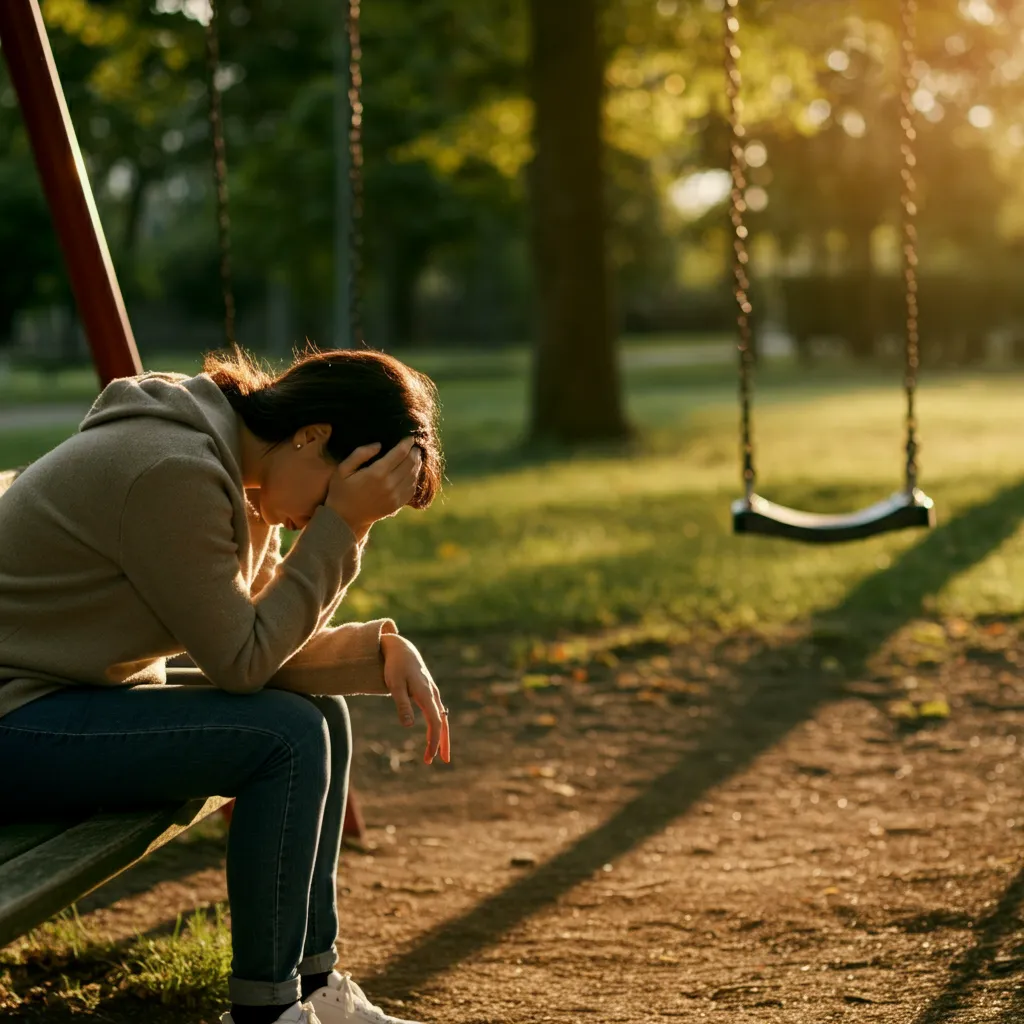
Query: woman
x: 154, y: 532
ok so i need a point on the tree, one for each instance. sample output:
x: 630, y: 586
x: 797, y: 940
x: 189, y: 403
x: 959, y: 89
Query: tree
x: 449, y: 139
x: 576, y: 387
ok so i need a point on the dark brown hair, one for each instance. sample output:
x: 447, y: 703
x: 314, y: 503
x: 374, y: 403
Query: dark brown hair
x: 365, y: 396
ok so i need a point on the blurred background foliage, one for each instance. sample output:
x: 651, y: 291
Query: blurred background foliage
x: 448, y: 149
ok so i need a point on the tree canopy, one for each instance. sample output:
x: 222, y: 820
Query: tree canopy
x: 448, y: 142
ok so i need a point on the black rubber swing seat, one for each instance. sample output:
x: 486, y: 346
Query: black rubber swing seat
x: 900, y: 512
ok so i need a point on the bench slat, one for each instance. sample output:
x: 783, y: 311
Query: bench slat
x: 18, y: 839
x: 51, y: 875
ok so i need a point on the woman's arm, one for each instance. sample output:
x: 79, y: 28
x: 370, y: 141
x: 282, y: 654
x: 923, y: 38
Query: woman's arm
x: 269, y: 560
x: 347, y: 659
x: 178, y: 550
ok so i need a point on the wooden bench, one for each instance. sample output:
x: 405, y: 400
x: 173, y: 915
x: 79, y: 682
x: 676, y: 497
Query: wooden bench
x: 47, y: 865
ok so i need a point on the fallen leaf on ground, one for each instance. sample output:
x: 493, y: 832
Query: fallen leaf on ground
x: 937, y: 708
x: 537, y: 681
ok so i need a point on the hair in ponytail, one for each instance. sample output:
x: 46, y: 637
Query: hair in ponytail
x: 365, y: 396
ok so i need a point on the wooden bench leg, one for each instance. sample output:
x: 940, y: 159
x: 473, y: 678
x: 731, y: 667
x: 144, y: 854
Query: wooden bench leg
x: 354, y: 827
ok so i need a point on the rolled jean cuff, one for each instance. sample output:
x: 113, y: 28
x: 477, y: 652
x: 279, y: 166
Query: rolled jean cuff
x: 264, y: 993
x: 320, y: 963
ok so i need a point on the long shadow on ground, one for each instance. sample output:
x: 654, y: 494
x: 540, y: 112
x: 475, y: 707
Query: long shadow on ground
x: 773, y: 698
x: 990, y: 933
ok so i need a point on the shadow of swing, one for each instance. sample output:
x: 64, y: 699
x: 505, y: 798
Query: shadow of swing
x: 968, y: 969
x: 771, y: 703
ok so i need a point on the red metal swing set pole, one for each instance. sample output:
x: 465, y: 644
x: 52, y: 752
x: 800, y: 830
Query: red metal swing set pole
x: 33, y: 74
x: 66, y: 184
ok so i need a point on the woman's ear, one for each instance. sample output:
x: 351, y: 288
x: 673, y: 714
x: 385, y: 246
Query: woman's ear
x: 318, y: 434
x: 321, y: 433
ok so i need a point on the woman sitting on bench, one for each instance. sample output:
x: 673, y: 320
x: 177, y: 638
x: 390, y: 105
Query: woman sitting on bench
x: 155, y: 531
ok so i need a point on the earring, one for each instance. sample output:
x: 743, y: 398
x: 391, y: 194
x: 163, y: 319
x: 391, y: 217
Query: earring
x: 298, y: 446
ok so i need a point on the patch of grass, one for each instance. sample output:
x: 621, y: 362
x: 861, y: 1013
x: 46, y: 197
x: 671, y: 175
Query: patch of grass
x: 24, y: 386
x: 640, y: 533
x: 61, y: 939
x: 19, y: 447
x: 644, y: 535
x: 27, y: 386
x: 61, y: 966
x: 188, y: 968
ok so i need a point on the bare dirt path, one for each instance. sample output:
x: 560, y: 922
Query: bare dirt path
x: 689, y: 827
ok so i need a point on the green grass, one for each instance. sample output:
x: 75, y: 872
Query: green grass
x: 26, y: 386
x: 18, y: 447
x: 23, y: 385
x: 642, y: 534
x: 62, y: 964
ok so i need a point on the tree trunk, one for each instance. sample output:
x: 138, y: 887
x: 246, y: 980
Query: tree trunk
x: 133, y: 214
x: 576, y: 385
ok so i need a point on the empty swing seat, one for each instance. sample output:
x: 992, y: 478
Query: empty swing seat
x: 900, y: 512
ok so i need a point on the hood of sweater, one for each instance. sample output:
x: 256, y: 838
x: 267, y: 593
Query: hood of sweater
x: 194, y: 402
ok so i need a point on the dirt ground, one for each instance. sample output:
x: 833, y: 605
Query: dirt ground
x: 689, y: 826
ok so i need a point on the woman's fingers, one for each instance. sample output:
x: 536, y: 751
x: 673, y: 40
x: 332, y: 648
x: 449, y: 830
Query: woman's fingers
x: 411, y: 464
x: 357, y: 458
x: 403, y: 705
x: 443, y: 746
x: 431, y: 708
x: 401, y: 483
x: 437, y: 728
x: 404, y: 477
x: 419, y: 688
x: 390, y: 460
x: 399, y: 472
x: 446, y: 740
x: 387, y: 464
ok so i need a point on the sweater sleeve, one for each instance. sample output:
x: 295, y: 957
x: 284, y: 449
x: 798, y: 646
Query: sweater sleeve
x: 179, y: 552
x: 268, y: 564
x: 344, y: 660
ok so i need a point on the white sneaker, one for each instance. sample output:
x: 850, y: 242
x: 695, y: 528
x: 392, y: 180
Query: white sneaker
x: 300, y: 1013
x: 342, y: 1001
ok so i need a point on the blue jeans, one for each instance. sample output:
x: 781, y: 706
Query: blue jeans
x: 285, y: 758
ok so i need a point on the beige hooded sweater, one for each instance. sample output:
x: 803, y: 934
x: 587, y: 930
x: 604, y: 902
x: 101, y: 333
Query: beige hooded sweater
x: 134, y: 541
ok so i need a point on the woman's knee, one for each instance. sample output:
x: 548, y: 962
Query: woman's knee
x: 334, y: 710
x: 298, y: 731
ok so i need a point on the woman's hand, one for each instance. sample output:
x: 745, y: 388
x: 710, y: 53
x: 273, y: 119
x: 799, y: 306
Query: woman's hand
x: 410, y: 682
x: 362, y: 496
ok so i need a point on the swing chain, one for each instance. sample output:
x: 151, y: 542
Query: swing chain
x: 355, y: 193
x: 220, y: 174
x: 908, y: 200
x: 737, y: 207
x: 353, y: 199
